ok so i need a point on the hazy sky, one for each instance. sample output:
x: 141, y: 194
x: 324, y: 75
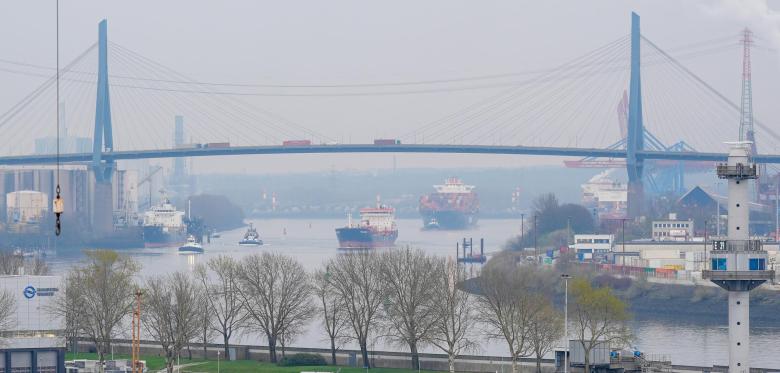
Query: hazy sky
x: 335, y: 42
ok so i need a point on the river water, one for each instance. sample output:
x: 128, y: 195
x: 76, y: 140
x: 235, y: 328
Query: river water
x: 312, y: 242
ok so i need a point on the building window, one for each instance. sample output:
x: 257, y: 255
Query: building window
x: 719, y: 264
x: 757, y: 264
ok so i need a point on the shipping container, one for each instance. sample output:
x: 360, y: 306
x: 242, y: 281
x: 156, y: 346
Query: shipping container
x: 387, y: 142
x: 296, y: 143
x: 216, y: 145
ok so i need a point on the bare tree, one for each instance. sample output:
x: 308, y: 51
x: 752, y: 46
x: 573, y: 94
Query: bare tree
x: 409, y: 282
x: 506, y: 305
x: 276, y: 292
x: 10, y: 263
x: 599, y: 317
x: 331, y: 309
x: 356, y: 279
x: 221, y: 293
x: 455, y: 312
x: 64, y: 305
x: 99, y: 296
x: 171, y: 314
x: 7, y: 311
x: 16, y: 264
x: 205, y: 321
x: 545, y: 330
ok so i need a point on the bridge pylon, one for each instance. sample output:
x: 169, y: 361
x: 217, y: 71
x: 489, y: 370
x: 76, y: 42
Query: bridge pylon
x: 635, y: 138
x: 101, y: 218
x: 103, y: 140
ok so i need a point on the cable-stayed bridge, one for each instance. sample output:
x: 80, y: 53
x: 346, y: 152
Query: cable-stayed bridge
x: 124, y: 103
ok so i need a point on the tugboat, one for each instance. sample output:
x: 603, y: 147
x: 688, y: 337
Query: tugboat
x: 431, y: 224
x: 251, y: 237
x: 376, y: 229
x: 191, y: 247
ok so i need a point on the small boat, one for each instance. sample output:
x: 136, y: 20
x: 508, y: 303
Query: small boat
x: 216, y: 235
x: 191, y: 247
x: 251, y: 237
x: 432, y: 224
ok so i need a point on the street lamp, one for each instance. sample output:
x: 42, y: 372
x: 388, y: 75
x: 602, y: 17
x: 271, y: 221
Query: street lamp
x: 522, y: 231
x: 218, y: 353
x: 566, y: 278
x: 623, y: 227
x: 536, y: 248
x: 704, y: 257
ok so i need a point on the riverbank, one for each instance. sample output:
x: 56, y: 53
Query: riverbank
x: 250, y: 358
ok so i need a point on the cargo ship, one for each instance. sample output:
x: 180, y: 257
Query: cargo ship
x: 454, y: 205
x: 376, y: 229
x: 163, y: 226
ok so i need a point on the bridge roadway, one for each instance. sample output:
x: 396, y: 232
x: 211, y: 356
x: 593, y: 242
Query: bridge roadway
x: 371, y: 148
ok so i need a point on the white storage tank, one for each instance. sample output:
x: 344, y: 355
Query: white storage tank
x: 26, y: 207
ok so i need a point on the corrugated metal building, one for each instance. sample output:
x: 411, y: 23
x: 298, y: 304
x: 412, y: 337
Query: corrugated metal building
x: 35, y: 342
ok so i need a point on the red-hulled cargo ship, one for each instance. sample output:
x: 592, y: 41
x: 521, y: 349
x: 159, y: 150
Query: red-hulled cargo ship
x: 454, y: 205
x: 376, y: 228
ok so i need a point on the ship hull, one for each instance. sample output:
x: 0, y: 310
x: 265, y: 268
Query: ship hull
x: 250, y: 243
x: 184, y: 250
x: 448, y: 220
x: 365, y: 238
x: 156, y: 236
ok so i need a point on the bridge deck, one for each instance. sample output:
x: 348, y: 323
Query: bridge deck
x: 371, y: 148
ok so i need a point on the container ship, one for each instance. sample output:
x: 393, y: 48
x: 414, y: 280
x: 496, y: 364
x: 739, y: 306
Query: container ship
x: 376, y: 229
x: 163, y: 226
x: 454, y: 205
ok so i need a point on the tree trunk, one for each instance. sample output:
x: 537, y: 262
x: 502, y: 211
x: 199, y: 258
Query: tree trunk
x: 364, y: 352
x: 333, y: 350
x: 189, y: 352
x: 226, y: 346
x: 169, y: 359
x: 451, y: 360
x: 272, y: 348
x: 538, y: 364
x: 587, y: 361
x: 101, y: 359
x: 415, y: 355
x: 514, y: 364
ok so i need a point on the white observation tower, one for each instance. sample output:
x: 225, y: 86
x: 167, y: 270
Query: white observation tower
x: 738, y: 263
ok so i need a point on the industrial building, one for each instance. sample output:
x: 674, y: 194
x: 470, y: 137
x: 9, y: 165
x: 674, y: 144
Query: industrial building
x: 672, y: 229
x: 35, y: 342
x: 593, y: 246
x: 26, y: 199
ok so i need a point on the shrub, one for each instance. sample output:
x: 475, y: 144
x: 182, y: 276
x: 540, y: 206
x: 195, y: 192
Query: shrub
x: 302, y: 359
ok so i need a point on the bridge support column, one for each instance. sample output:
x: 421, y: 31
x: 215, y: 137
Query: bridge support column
x: 103, y: 170
x: 635, y: 138
x: 103, y: 139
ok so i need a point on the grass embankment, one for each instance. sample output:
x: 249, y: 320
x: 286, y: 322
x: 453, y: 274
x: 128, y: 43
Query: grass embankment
x: 155, y: 363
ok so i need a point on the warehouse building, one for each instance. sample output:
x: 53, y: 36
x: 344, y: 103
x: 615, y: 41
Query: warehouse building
x: 35, y: 342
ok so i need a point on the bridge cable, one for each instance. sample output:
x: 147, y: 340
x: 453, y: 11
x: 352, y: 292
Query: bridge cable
x: 711, y: 89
